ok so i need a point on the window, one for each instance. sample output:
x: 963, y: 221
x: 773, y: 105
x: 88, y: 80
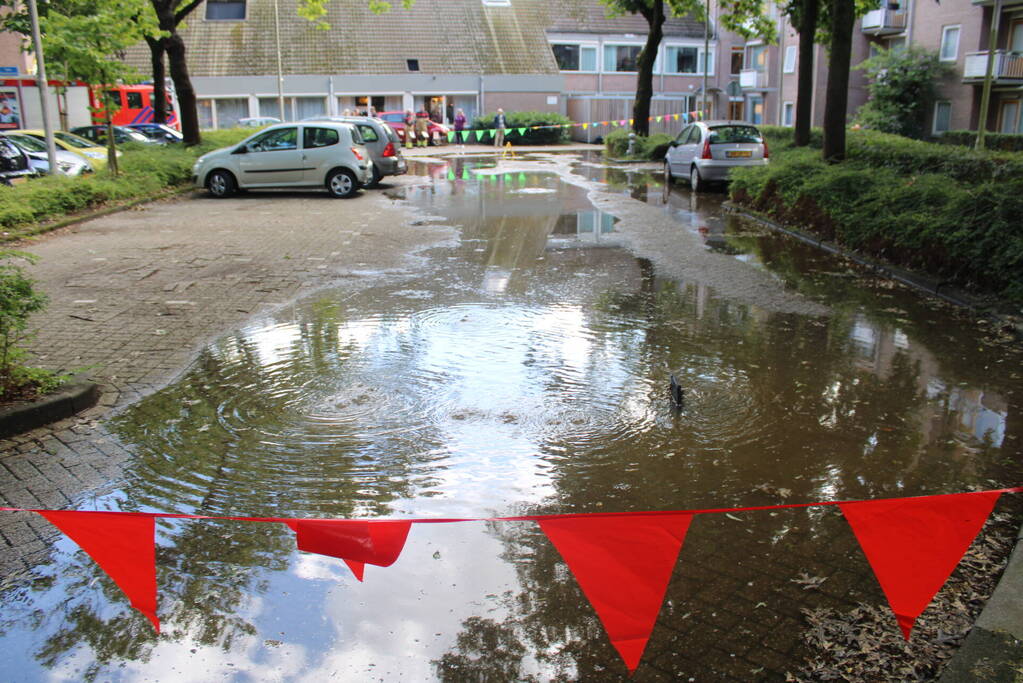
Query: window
x: 681, y: 60
x: 368, y: 133
x: 756, y: 110
x: 225, y: 10
x: 282, y: 139
x: 621, y: 57
x: 1008, y: 117
x: 413, y: 64
x: 949, y: 44
x: 788, y: 111
x: 134, y: 100
x: 942, y: 117
x: 115, y: 97
x: 790, y: 59
x: 756, y: 57
x: 737, y: 59
x: 318, y: 137
x: 307, y: 107
x: 575, y: 57
x: 681, y: 139
x: 897, y: 44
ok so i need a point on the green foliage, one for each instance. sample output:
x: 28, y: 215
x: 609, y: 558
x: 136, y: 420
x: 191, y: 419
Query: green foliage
x: 527, y: 119
x: 653, y: 147
x: 892, y: 200
x: 18, y: 300
x: 998, y: 142
x: 902, y: 86
x: 316, y: 10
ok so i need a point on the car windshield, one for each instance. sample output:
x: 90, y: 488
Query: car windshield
x: 134, y: 135
x: 734, y: 134
x: 28, y: 142
x: 73, y: 140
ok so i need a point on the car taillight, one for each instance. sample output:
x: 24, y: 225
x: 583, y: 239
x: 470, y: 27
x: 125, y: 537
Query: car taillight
x: 706, y: 150
x: 389, y: 150
x: 764, y: 143
x: 356, y: 153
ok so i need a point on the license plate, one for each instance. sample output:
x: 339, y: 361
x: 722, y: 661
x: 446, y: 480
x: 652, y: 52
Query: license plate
x: 19, y: 180
x: 738, y: 153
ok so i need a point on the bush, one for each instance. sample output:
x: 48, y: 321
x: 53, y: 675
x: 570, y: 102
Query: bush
x: 652, y: 147
x: 525, y: 121
x: 996, y: 142
x: 902, y: 85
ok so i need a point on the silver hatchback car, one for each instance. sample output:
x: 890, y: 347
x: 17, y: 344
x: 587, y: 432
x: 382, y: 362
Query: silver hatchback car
x: 707, y: 151
x: 381, y: 141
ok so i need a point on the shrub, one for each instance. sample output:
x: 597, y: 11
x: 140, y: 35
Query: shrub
x: 902, y: 85
x: 653, y: 147
x: 996, y: 142
x: 522, y: 127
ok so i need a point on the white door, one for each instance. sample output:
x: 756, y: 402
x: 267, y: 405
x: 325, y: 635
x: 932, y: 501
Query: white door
x: 273, y: 158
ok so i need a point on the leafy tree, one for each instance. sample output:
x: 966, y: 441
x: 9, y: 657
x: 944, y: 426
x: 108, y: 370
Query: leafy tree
x: 169, y: 15
x: 903, y: 84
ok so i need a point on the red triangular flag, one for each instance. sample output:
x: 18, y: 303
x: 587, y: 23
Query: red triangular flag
x: 623, y: 565
x: 356, y: 542
x: 122, y: 544
x: 913, y: 544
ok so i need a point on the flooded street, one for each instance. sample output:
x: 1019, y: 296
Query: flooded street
x: 524, y: 370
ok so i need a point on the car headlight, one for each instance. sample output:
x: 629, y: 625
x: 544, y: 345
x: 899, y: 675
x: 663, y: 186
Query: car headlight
x: 65, y: 166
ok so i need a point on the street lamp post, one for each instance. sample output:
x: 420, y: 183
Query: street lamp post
x: 41, y: 83
x: 280, y: 66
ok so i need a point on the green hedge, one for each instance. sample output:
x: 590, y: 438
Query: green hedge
x: 526, y: 119
x: 653, y: 147
x: 999, y: 142
x: 145, y: 171
x: 961, y: 228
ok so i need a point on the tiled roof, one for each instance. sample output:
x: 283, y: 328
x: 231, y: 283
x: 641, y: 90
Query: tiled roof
x: 446, y: 36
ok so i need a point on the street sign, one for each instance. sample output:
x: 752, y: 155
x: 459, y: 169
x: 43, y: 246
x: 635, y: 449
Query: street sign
x: 8, y: 71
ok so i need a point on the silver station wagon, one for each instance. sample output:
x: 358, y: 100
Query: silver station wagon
x: 707, y: 151
x: 289, y: 155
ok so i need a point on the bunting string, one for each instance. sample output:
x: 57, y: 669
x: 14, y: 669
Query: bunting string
x: 622, y: 561
x: 483, y: 133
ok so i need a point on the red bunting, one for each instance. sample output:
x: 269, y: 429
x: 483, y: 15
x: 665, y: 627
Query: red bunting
x: 623, y: 565
x: 356, y: 542
x: 913, y: 544
x: 123, y: 546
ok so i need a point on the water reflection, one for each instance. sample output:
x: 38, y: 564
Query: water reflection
x: 525, y: 369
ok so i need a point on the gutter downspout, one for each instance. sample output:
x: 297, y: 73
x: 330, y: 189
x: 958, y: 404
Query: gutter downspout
x: 706, y: 52
x: 781, y: 67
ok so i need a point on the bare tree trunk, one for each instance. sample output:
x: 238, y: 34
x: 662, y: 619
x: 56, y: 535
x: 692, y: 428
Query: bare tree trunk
x: 156, y: 52
x: 843, y: 15
x: 183, y: 88
x: 111, y: 147
x: 804, y: 87
x: 645, y: 80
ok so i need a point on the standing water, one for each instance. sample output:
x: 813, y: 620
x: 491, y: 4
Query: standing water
x: 523, y: 369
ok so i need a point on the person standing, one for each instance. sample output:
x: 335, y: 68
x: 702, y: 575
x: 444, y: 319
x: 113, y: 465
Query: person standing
x: 460, y: 126
x: 422, y: 127
x: 500, y: 123
x: 410, y: 127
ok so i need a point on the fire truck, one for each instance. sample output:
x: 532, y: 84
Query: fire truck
x: 136, y: 102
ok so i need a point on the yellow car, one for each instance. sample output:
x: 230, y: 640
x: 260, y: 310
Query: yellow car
x: 97, y: 156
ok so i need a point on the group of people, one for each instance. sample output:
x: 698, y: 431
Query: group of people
x: 417, y: 127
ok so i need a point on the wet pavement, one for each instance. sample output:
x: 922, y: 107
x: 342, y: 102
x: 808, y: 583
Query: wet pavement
x: 522, y: 368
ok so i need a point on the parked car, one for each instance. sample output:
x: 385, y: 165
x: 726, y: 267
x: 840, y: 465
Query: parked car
x: 258, y: 121
x: 96, y: 156
x: 14, y: 163
x: 325, y: 154
x: 382, y: 142
x: 707, y: 151
x: 98, y: 134
x: 159, y: 132
x: 68, y: 163
x: 396, y: 120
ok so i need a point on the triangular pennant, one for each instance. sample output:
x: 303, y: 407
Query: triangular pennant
x: 658, y: 119
x: 356, y: 542
x: 603, y: 123
x: 451, y: 135
x: 676, y: 117
x: 479, y: 135
x: 585, y: 126
x: 123, y: 546
x: 451, y: 174
x: 614, y: 124
x: 623, y: 565
x: 521, y: 131
x: 913, y: 544
x: 631, y: 121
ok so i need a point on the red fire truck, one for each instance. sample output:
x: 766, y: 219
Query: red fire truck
x: 136, y: 105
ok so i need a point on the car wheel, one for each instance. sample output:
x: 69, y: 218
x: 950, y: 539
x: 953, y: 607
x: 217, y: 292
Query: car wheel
x: 668, y: 178
x: 377, y: 177
x: 342, y: 184
x: 221, y: 184
x: 695, y: 181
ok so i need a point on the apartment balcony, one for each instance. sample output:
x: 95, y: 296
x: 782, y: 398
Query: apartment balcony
x: 883, y: 22
x: 753, y: 79
x: 1007, y: 69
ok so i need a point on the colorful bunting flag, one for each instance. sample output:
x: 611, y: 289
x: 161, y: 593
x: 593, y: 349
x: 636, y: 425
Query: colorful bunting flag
x: 676, y: 116
x: 123, y: 546
x: 451, y: 135
x: 658, y: 119
x: 356, y: 542
x: 585, y: 126
x: 521, y: 131
x: 913, y: 544
x: 623, y: 565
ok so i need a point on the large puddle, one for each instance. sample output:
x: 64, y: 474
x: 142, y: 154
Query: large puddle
x: 525, y: 369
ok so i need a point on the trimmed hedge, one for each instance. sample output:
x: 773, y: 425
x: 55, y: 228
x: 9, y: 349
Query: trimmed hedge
x: 955, y: 218
x: 145, y: 171
x: 999, y: 142
x: 526, y: 119
x: 653, y: 147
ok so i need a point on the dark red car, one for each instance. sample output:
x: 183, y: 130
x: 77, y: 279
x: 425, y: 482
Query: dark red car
x: 396, y: 120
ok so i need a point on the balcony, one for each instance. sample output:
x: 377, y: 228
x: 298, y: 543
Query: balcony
x: 1008, y: 67
x: 883, y: 22
x: 753, y: 79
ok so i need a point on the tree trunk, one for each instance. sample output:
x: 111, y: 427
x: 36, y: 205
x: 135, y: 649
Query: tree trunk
x: 183, y: 88
x: 159, y: 102
x: 843, y: 15
x: 804, y: 88
x: 645, y: 80
x: 111, y: 147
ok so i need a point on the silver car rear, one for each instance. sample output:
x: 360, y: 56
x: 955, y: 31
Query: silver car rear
x: 380, y: 140
x: 707, y: 151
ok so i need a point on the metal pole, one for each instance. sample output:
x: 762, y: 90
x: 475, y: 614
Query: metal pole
x: 706, y: 53
x: 41, y: 83
x: 985, y: 97
x: 781, y: 67
x: 280, y: 66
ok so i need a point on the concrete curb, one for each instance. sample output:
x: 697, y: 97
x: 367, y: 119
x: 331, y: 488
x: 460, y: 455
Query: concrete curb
x: 71, y: 398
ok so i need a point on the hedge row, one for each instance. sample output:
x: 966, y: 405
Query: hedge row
x: 526, y: 119
x: 944, y: 222
x: 145, y: 171
x: 998, y: 142
x: 652, y: 147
